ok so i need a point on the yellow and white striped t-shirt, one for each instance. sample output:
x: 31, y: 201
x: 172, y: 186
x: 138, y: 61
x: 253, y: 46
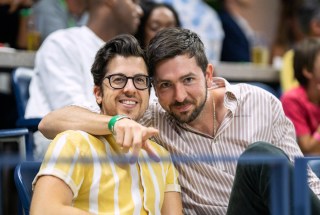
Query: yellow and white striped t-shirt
x: 104, y: 186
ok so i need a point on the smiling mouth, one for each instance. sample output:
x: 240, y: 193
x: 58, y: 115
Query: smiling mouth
x: 182, y: 108
x: 127, y: 102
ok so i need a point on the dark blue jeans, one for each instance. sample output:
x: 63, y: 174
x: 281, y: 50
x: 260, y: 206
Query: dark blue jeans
x: 251, y: 188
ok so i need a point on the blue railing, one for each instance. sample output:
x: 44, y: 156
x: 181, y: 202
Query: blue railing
x: 279, y: 177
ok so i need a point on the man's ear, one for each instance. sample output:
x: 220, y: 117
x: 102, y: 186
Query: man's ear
x: 97, y: 91
x: 308, y: 75
x: 209, y: 74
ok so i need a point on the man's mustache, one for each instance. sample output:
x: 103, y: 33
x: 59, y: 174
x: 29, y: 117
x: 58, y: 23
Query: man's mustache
x: 185, y: 102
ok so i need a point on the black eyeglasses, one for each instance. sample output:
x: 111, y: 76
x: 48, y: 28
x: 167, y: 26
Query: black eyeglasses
x: 119, y: 81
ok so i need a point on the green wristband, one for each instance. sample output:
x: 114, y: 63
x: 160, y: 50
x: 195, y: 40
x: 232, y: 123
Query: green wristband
x: 113, y: 121
x: 24, y: 12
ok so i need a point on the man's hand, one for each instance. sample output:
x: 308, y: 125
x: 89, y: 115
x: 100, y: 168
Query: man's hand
x: 129, y: 134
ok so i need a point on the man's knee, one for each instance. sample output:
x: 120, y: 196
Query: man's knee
x: 264, y: 148
x: 254, y: 162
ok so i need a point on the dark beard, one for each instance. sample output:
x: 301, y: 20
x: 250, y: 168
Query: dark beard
x: 194, y: 114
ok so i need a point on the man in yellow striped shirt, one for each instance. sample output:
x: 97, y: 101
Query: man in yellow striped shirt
x: 80, y: 175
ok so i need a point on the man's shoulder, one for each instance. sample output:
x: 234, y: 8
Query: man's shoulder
x: 64, y: 35
x: 257, y: 88
x: 60, y: 40
x: 256, y: 93
x: 78, y: 138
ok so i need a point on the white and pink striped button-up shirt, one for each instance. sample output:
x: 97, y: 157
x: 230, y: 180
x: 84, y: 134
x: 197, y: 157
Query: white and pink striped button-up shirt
x: 253, y: 115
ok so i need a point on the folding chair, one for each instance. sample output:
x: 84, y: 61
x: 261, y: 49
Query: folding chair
x: 17, y: 135
x: 23, y: 176
x: 21, y: 78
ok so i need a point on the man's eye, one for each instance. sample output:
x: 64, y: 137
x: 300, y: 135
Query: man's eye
x: 165, y: 85
x: 188, y: 80
x: 119, y: 80
x: 140, y: 80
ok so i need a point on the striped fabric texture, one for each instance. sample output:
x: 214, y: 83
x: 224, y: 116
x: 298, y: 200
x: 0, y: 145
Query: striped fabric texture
x: 103, y: 185
x: 253, y: 115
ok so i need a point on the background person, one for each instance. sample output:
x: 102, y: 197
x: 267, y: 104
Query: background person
x: 309, y: 23
x: 52, y: 15
x: 13, y: 23
x: 288, y: 32
x: 156, y: 16
x: 302, y: 104
x: 105, y: 186
x: 65, y: 58
x: 63, y: 62
x: 239, y: 36
x: 199, y: 17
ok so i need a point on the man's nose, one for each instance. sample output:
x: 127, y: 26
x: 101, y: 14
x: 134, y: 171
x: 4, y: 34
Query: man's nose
x: 180, y: 93
x: 129, y: 85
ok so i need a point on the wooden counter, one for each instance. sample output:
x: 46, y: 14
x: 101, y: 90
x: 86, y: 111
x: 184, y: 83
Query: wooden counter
x: 247, y: 72
x: 13, y: 59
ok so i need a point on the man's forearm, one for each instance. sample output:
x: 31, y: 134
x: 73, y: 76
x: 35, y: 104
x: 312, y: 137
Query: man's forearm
x: 129, y: 132
x: 73, y: 118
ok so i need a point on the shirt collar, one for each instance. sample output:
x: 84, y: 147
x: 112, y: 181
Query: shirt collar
x: 232, y: 93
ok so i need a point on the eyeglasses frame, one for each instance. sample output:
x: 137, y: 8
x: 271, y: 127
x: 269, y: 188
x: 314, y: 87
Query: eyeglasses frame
x: 149, y: 80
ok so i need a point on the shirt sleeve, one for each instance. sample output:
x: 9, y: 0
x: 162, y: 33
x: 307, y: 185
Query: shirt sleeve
x: 170, y: 172
x: 172, y: 183
x: 61, y: 161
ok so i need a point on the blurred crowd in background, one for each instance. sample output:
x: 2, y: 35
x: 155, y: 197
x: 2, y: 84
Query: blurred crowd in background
x: 224, y: 25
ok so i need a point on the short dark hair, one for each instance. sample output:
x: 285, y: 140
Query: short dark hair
x: 305, y: 54
x: 171, y: 42
x: 148, y: 7
x: 124, y: 45
x: 307, y: 11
